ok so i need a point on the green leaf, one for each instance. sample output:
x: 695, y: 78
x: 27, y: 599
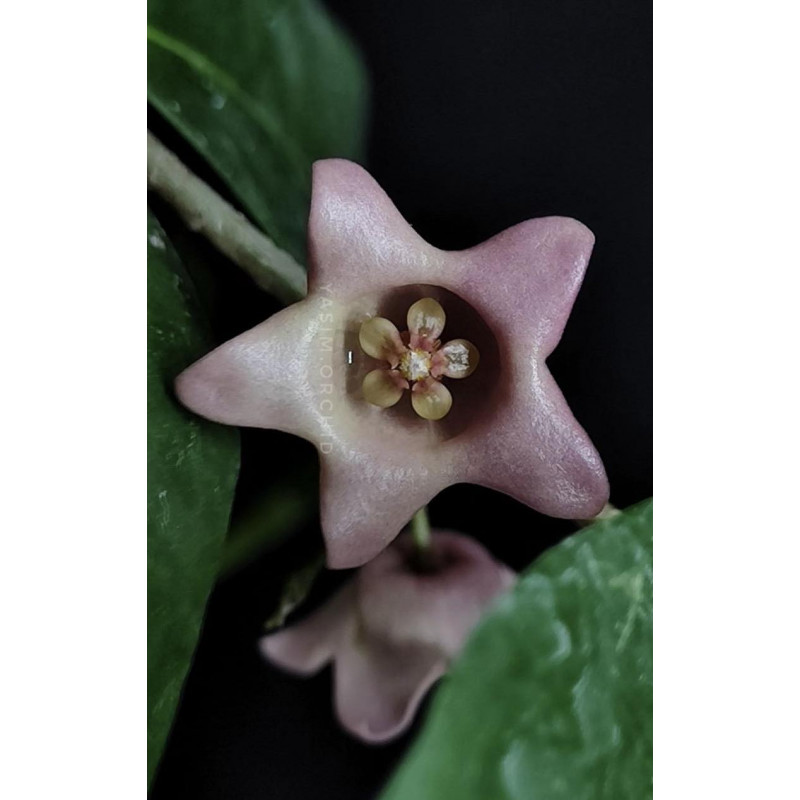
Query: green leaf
x: 261, y: 88
x: 552, y: 697
x: 191, y: 473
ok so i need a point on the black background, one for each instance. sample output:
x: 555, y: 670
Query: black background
x: 483, y: 114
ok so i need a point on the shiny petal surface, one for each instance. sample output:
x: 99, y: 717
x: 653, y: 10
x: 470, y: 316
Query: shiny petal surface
x: 431, y: 399
x: 366, y: 500
x: 358, y: 241
x: 524, y: 281
x: 543, y: 459
x: 259, y: 379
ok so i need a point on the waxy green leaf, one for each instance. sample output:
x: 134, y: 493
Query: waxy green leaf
x: 552, y: 697
x: 261, y: 88
x: 191, y: 473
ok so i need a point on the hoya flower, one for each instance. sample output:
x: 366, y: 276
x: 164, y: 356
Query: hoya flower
x: 392, y: 631
x: 305, y: 369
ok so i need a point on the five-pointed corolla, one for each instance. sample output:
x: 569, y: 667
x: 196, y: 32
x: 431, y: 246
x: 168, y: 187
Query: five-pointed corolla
x: 304, y: 370
x: 392, y: 630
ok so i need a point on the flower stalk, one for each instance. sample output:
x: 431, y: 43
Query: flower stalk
x: 421, y: 535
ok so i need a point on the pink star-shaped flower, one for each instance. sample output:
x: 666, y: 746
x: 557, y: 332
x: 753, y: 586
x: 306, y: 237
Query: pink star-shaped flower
x: 302, y: 370
x: 392, y: 631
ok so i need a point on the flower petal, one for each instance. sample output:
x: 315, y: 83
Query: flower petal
x: 524, y: 281
x: 368, y: 495
x: 380, y: 338
x: 358, y: 241
x: 563, y: 474
x: 430, y: 399
x: 305, y: 647
x: 521, y: 283
x: 426, y: 319
x: 383, y: 387
x: 379, y: 686
x: 410, y: 625
x: 260, y: 378
x: 439, y: 606
x: 457, y: 359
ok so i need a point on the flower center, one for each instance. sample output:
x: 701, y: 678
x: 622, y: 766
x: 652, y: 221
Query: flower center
x: 415, y: 365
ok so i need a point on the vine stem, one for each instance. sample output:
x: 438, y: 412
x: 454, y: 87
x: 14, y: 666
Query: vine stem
x: 205, y: 212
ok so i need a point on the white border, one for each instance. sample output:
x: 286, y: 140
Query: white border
x: 727, y: 478
x: 73, y: 594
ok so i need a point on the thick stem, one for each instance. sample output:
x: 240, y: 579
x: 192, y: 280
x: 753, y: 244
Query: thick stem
x: 204, y: 211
